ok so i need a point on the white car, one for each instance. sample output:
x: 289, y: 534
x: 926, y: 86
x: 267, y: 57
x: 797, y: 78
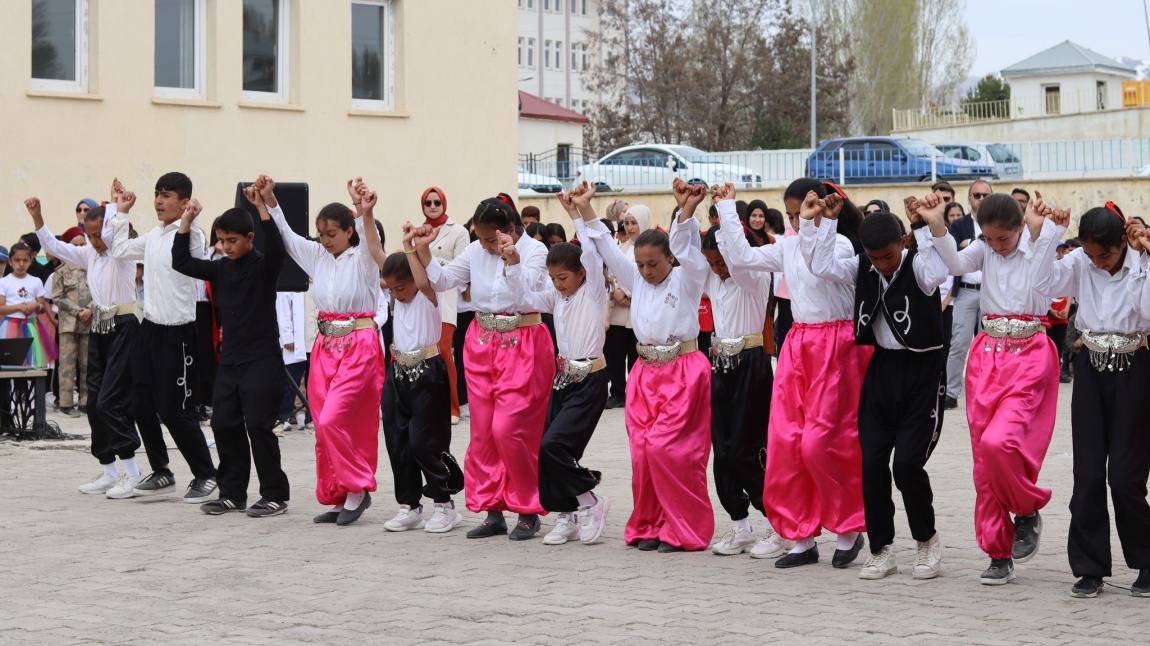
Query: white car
x: 1006, y: 164
x: 652, y: 166
x: 530, y: 183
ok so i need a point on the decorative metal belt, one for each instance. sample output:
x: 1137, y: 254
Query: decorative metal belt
x: 725, y: 352
x: 339, y: 329
x: 504, y: 326
x: 573, y: 371
x: 1013, y: 334
x: 104, y: 318
x: 411, y: 365
x: 1110, y: 350
x: 661, y: 355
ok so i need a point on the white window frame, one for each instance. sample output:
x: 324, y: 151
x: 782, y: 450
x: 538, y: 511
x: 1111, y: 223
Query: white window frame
x: 548, y: 45
x: 531, y: 4
x: 530, y: 52
x: 558, y: 54
x: 80, y: 85
x: 521, y: 47
x: 283, y: 60
x: 387, y: 103
x: 200, y: 60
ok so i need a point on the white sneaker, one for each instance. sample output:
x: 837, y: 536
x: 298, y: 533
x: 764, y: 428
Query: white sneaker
x: 278, y: 429
x: 287, y: 427
x: 880, y: 565
x: 735, y: 541
x: 125, y: 488
x: 102, y: 485
x: 454, y: 420
x: 443, y: 519
x: 771, y: 546
x: 465, y: 411
x: 565, y: 530
x: 593, y: 519
x: 928, y: 559
x: 406, y: 518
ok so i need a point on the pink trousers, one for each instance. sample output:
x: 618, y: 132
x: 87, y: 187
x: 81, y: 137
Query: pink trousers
x: 814, y: 461
x: 507, y: 391
x: 1011, y: 400
x: 343, y: 390
x: 669, y: 429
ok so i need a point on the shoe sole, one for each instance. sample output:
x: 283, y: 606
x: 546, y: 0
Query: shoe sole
x: 144, y: 493
x: 1008, y: 579
x: 777, y: 554
x: 926, y: 575
x: 261, y: 514
x: 455, y: 523
x: 422, y: 525
x: 1140, y: 593
x: 594, y: 538
x: 562, y: 540
x: 123, y: 496
x: 1084, y: 595
x: 199, y: 499
x: 875, y: 576
x: 99, y: 492
x: 221, y: 512
x: 731, y: 551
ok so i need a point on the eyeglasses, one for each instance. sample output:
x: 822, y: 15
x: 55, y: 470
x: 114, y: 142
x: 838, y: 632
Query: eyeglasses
x: 431, y: 203
x: 979, y: 196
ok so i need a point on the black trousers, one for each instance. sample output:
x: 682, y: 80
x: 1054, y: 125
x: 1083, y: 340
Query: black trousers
x: 1057, y: 334
x: 417, y: 432
x: 205, y: 347
x: 740, y: 406
x: 783, y: 322
x: 1111, y: 438
x: 571, y: 420
x: 462, y: 323
x: 621, y: 353
x: 165, y: 388
x: 245, y: 404
x: 704, y: 343
x: 900, y: 410
x: 110, y: 412
x: 296, y: 372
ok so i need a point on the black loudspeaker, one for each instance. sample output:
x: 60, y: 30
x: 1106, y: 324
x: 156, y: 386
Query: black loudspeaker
x: 293, y: 200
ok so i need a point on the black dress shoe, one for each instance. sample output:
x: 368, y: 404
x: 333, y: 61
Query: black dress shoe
x: 349, y: 516
x: 1141, y: 587
x: 326, y: 517
x: 843, y: 558
x: 951, y: 403
x: 667, y: 548
x: 1087, y: 587
x: 799, y: 558
x: 648, y: 545
x: 526, y: 528
x: 491, y: 526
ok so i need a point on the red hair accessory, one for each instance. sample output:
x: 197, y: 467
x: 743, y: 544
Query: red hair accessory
x: 103, y: 204
x: 1113, y: 208
x: 832, y: 187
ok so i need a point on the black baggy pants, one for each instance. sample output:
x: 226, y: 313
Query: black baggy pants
x: 245, y: 404
x: 571, y: 420
x: 110, y: 414
x: 740, y: 406
x: 417, y: 432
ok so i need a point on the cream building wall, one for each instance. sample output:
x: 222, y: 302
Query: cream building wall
x: 543, y: 135
x: 454, y: 122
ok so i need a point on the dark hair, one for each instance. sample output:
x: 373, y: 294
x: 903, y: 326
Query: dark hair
x: 1073, y: 243
x: 212, y: 237
x: 396, y: 267
x: 235, y: 221
x: 951, y: 206
x: 494, y: 212
x: 1102, y: 226
x: 711, y: 239
x: 379, y: 230
x: 529, y: 212
x: 880, y: 230
x: 944, y: 186
x: 554, y: 229
x: 798, y: 189
x: 565, y: 255
x: 849, y: 218
x: 20, y: 246
x: 1000, y: 210
x: 178, y: 183
x: 509, y: 201
x: 1021, y: 191
x: 536, y: 229
x: 882, y: 206
x: 775, y: 221
x: 654, y: 238
x: 94, y: 214
x: 342, y: 217
x: 757, y: 238
x: 32, y: 241
x: 609, y: 224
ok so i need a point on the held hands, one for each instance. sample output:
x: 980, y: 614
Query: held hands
x: 1037, y: 211
x: 722, y: 193
x: 832, y: 206
x: 695, y: 197
x: 681, y: 190
x: 582, y: 194
x: 931, y: 208
x: 266, y: 187
x: 1137, y: 235
x: 252, y: 194
x: 424, y: 235
x: 568, y: 205
x: 1061, y: 217
x: 353, y: 186
x: 507, y: 249
x: 910, y: 206
x: 812, y: 206
x: 192, y: 209
x: 85, y: 315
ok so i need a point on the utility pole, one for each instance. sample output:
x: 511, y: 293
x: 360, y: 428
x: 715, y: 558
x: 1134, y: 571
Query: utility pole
x: 1146, y: 12
x: 814, y: 81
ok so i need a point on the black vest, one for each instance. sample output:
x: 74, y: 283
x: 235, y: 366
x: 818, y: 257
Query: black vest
x: 913, y: 317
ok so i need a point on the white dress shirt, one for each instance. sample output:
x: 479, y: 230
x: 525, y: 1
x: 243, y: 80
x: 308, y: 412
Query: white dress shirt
x: 817, y: 245
x: 1105, y: 303
x: 290, y: 315
x: 973, y: 277
x: 813, y: 300
x: 1008, y: 282
x: 668, y: 312
x: 111, y: 281
x: 416, y: 325
x: 579, y: 318
x: 169, y: 296
x: 343, y: 284
x: 739, y: 303
x: 451, y: 241
x: 310, y: 329
x: 489, y: 290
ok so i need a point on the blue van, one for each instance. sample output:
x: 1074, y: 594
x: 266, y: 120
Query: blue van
x: 880, y: 160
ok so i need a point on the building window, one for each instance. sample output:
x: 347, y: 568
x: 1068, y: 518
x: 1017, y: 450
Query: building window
x: 530, y: 52
x: 530, y: 4
x: 1053, y: 99
x: 60, y: 45
x: 266, y: 50
x: 521, y: 51
x: 547, y: 44
x: 574, y: 6
x: 574, y: 57
x: 583, y: 4
x: 583, y: 57
x: 558, y: 54
x: 372, y: 60
x: 180, y: 48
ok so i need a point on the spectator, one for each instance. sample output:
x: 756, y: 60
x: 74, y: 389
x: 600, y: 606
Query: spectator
x: 1022, y: 197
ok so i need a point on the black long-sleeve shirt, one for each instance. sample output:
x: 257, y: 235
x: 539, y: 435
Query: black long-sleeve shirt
x: 244, y: 292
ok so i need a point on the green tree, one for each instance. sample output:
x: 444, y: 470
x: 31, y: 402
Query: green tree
x: 994, y: 93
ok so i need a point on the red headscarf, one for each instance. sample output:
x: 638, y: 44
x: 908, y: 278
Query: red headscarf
x: 71, y: 234
x: 435, y: 222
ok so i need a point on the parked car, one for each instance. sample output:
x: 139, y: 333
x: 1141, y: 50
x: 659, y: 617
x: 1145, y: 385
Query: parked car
x: 535, y: 183
x: 877, y: 160
x: 1006, y: 163
x: 656, y: 166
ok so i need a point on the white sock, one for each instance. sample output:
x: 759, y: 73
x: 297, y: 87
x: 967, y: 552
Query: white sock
x: 353, y: 500
x: 847, y: 541
x: 803, y: 545
x: 130, y: 467
x: 745, y: 525
x: 587, y: 499
x: 110, y: 470
x: 337, y: 508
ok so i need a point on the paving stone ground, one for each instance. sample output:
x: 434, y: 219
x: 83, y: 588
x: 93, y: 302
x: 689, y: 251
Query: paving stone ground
x: 78, y: 569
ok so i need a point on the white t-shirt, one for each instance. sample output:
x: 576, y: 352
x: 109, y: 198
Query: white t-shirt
x: 17, y: 291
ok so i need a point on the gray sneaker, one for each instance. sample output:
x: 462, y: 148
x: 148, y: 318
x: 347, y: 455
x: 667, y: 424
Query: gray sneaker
x: 1000, y: 572
x: 200, y: 490
x: 266, y: 507
x: 156, y: 483
x: 1027, y: 536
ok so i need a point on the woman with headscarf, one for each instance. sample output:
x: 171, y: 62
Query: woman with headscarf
x: 620, y: 349
x: 82, y: 208
x: 755, y: 222
x: 450, y: 242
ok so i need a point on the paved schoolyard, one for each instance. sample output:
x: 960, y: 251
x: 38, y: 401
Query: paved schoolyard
x: 76, y: 569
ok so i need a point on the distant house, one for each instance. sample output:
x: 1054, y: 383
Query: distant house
x: 550, y: 136
x: 1066, y: 79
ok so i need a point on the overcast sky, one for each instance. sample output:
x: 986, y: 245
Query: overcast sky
x: 1007, y: 31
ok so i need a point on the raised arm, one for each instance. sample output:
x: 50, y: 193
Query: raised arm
x: 517, y: 280
x: 182, y: 260
x: 817, y: 243
x: 122, y: 246
x: 733, y: 245
x: 274, y: 253
x: 367, y: 201
x: 306, y: 253
x: 71, y: 254
x: 625, y: 271
x: 418, y: 258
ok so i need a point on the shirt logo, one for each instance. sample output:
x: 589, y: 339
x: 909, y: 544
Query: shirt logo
x: 671, y: 300
x: 23, y: 293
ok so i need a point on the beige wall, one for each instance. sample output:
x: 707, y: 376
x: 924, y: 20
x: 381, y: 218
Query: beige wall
x: 1111, y: 124
x: 454, y: 123
x: 543, y: 136
x: 1132, y: 195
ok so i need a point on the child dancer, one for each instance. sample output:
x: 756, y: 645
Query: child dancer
x: 509, y: 368
x: 1011, y: 380
x: 452, y: 240
x: 1108, y: 278
x: 814, y: 462
x: 669, y: 391
x: 417, y: 397
x: 898, y: 312
x: 249, y: 381
x: 346, y: 371
x: 579, y: 303
x: 113, y: 287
